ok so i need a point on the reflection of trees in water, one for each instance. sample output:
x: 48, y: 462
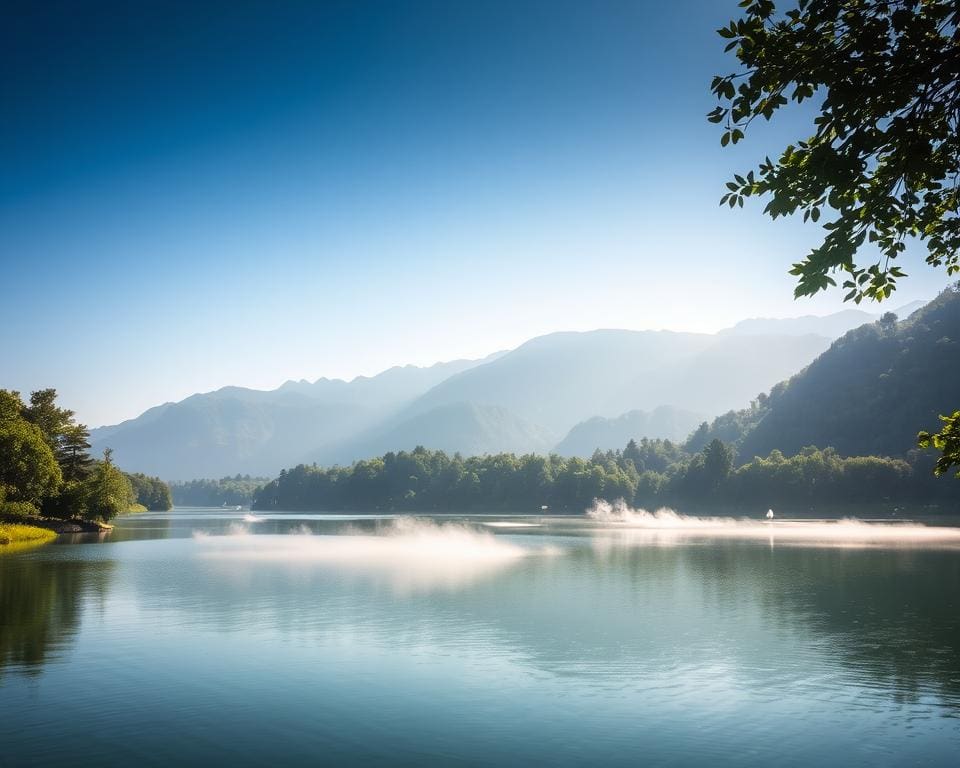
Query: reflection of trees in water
x: 140, y: 527
x: 888, y: 617
x: 892, y: 615
x: 41, y: 604
x: 605, y: 608
x: 614, y: 611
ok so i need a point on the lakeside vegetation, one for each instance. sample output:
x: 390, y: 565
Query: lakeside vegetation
x: 646, y: 473
x: 15, y: 537
x: 46, y: 469
x: 227, y: 491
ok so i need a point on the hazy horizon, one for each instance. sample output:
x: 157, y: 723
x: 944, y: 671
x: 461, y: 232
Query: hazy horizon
x: 200, y: 197
x: 400, y: 365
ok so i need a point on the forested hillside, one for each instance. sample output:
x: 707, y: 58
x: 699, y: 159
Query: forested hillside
x: 871, y: 392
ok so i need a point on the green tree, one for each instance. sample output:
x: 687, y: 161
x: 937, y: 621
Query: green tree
x: 48, y: 417
x: 109, y: 490
x: 73, y: 452
x: 151, y: 492
x: 28, y: 469
x: 884, y: 155
x: 717, y: 463
x: 947, y: 441
x: 632, y: 453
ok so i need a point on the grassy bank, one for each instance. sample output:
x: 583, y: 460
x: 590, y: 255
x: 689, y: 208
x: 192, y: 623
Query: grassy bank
x: 15, y: 537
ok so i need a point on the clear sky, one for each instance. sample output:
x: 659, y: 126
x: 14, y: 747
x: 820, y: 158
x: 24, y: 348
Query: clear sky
x: 201, y: 194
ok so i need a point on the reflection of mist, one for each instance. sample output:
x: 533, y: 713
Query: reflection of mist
x: 620, y: 524
x: 409, y: 555
x: 683, y: 627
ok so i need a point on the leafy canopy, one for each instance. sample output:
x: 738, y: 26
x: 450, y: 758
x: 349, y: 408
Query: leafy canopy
x: 884, y: 158
x: 28, y: 468
x: 947, y: 441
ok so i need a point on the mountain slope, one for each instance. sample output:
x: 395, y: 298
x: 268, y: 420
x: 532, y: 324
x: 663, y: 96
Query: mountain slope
x: 611, y: 434
x: 561, y: 379
x: 235, y: 429
x: 467, y: 428
x: 872, y: 391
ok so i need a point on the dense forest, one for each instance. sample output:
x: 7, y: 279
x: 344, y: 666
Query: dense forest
x: 646, y: 473
x: 46, y: 467
x: 227, y: 491
x: 870, y: 393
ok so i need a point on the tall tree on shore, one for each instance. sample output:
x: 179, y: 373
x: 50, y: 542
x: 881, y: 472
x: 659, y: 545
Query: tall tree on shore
x: 73, y: 452
x: 883, y: 161
x: 44, y: 412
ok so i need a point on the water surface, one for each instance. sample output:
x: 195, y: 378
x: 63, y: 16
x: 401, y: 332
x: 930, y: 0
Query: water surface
x: 206, y: 637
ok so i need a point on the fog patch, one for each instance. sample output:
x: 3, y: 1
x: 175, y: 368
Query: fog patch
x: 666, y: 526
x: 409, y: 554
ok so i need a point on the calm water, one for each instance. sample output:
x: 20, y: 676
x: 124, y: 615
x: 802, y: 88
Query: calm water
x: 197, y: 638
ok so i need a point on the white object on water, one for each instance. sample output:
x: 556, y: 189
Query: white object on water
x: 769, y: 514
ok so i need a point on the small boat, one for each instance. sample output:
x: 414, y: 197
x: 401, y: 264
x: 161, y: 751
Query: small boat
x: 769, y: 514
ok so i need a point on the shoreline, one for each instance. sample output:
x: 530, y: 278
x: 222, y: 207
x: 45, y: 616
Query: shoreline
x: 16, y: 537
x: 72, y: 525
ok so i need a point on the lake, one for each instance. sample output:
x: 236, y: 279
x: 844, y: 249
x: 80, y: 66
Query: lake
x: 205, y: 637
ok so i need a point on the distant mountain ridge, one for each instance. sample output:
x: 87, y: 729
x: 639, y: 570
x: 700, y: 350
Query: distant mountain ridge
x: 832, y: 326
x: 561, y: 379
x: 559, y: 391
x: 235, y: 429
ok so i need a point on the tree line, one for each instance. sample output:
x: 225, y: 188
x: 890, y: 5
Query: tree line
x: 645, y: 473
x: 229, y: 491
x: 46, y: 467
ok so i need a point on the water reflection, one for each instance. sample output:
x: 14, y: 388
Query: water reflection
x: 885, y: 618
x: 703, y: 630
x: 42, y: 600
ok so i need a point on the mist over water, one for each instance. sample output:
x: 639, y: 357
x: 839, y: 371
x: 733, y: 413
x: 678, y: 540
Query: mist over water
x: 619, y: 638
x: 666, y: 526
x: 408, y: 554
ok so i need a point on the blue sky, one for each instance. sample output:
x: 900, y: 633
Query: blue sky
x: 202, y: 194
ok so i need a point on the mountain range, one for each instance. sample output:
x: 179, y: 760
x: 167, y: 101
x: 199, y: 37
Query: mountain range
x: 569, y: 392
x: 833, y: 325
